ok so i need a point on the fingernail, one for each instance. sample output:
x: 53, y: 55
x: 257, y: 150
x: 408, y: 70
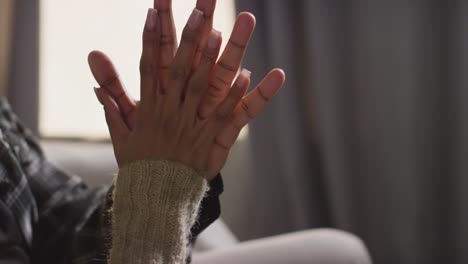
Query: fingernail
x: 151, y: 19
x: 97, y: 95
x: 214, y: 40
x: 195, y: 19
x: 243, y: 78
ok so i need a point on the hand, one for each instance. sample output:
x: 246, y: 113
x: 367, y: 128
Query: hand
x: 123, y: 107
x: 167, y: 124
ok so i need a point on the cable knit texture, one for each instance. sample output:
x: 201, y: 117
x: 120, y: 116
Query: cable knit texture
x: 155, y: 204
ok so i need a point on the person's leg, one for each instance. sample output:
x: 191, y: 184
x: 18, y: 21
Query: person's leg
x: 321, y: 246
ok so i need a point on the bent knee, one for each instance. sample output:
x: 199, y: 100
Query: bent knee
x: 338, y: 247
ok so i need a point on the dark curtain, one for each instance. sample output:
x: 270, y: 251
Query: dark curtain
x: 6, y: 8
x: 23, y: 81
x: 370, y: 133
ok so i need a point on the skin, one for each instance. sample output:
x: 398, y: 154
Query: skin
x: 189, y: 111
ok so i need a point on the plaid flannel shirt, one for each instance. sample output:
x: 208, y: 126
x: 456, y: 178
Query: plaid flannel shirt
x: 49, y: 216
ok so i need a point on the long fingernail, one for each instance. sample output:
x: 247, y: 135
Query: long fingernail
x: 243, y: 78
x: 195, y: 19
x: 98, y: 95
x: 151, y: 19
x: 214, y: 39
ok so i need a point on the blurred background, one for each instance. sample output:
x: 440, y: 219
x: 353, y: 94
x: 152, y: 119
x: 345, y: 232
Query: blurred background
x: 369, y: 134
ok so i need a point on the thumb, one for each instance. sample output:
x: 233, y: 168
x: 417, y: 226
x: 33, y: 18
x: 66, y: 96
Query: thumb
x: 107, y: 77
x: 117, y: 127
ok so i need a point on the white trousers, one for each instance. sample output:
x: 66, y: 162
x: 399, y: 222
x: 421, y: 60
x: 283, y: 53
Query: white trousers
x: 319, y: 246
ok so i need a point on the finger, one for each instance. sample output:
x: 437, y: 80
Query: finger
x: 181, y: 67
x: 231, y: 130
x: 226, y: 108
x: 224, y: 112
x: 107, y: 77
x: 117, y: 128
x: 150, y: 58
x: 168, y: 40
x: 227, y: 136
x: 249, y: 107
x: 258, y: 98
x: 199, y: 81
x: 229, y: 63
x: 208, y: 7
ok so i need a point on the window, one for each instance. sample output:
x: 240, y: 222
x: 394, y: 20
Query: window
x: 69, y: 31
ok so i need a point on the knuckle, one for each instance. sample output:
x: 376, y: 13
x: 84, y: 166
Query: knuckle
x: 222, y: 114
x: 215, y: 91
x: 209, y: 55
x: 179, y: 73
x: 167, y: 40
x: 246, y: 109
x: 222, y: 80
x: 208, y: 59
x: 149, y: 37
x: 262, y: 95
x: 220, y: 144
x: 236, y: 124
x: 237, y: 45
x: 229, y: 68
x: 188, y: 35
x: 110, y: 82
x: 196, y: 87
x: 146, y: 67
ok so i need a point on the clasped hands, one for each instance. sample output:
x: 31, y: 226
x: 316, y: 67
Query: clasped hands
x: 192, y: 106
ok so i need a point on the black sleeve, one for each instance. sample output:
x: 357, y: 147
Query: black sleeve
x: 12, y: 249
x: 210, y: 208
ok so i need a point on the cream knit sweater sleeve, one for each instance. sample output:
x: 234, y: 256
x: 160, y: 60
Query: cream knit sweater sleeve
x: 155, y: 205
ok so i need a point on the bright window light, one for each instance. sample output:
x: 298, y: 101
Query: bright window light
x: 69, y: 31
